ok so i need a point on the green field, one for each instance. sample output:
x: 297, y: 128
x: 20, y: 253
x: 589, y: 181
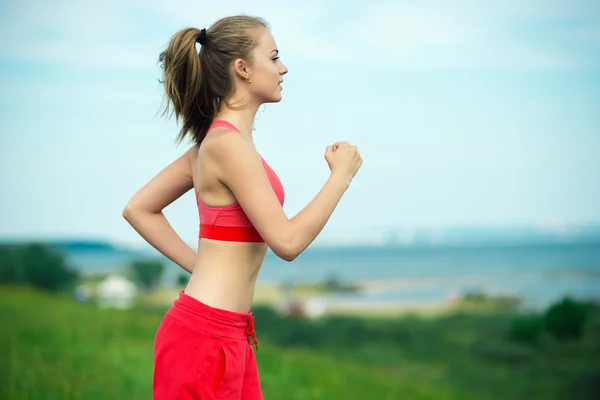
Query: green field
x: 55, y: 348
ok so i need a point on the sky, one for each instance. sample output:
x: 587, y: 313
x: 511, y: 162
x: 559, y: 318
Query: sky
x: 466, y: 113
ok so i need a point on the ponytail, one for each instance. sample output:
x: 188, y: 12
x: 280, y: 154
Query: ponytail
x: 184, y: 89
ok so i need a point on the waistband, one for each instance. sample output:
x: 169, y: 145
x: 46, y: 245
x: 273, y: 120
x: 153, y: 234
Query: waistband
x: 230, y: 233
x: 214, y: 321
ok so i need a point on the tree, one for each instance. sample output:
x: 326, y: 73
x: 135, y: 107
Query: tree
x: 182, y: 279
x: 565, y: 320
x: 148, y: 272
x: 11, y: 266
x: 36, y: 264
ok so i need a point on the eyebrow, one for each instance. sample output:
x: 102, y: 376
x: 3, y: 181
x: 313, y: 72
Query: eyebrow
x: 276, y: 51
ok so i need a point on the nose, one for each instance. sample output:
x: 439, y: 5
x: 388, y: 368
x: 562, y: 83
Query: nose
x: 283, y: 70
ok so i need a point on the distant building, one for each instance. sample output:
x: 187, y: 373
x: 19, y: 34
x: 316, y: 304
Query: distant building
x: 289, y: 308
x: 83, y: 294
x: 116, y: 291
x: 315, y: 306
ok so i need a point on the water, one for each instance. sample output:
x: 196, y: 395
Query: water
x: 540, y: 273
x: 389, y: 262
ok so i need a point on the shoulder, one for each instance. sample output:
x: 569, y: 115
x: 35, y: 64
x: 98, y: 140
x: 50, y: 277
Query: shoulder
x: 225, y: 143
x: 192, y: 153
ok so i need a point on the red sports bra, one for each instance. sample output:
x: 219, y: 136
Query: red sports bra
x: 230, y: 223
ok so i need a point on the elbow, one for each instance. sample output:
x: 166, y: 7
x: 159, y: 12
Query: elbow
x: 125, y: 213
x: 128, y: 212
x: 285, y: 243
x: 288, y: 256
x: 288, y: 251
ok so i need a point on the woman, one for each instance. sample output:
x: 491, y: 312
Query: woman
x: 204, y: 346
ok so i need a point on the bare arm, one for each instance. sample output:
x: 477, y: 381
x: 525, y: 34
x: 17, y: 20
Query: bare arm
x: 144, y: 211
x: 242, y: 171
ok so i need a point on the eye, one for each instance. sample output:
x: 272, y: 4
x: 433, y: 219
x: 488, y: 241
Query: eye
x: 276, y: 58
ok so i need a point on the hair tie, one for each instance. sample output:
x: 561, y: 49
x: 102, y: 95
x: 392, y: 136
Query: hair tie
x: 202, y: 37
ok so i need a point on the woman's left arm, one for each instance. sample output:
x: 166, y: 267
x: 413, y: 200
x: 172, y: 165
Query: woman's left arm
x: 144, y: 210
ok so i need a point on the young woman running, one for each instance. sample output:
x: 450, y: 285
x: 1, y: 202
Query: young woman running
x: 204, y: 346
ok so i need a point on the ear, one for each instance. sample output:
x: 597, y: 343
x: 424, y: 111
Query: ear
x: 241, y: 69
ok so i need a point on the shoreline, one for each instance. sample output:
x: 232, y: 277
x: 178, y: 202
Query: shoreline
x: 315, y: 300
x: 390, y: 297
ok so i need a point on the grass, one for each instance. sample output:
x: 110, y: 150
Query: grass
x: 55, y: 348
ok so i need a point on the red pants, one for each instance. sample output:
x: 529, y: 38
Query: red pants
x: 205, y: 353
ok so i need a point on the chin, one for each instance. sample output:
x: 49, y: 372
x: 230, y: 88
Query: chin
x: 274, y: 99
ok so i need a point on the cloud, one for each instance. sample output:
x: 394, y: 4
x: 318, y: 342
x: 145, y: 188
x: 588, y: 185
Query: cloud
x: 589, y: 34
x: 402, y: 29
x: 129, y: 35
x: 429, y: 34
x: 79, y: 35
x: 296, y: 26
x: 466, y: 34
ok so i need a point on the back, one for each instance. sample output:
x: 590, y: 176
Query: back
x: 225, y: 270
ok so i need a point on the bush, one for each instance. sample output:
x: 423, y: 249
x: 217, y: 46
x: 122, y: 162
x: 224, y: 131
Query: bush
x: 37, y: 265
x: 526, y: 328
x: 585, y: 385
x: 11, y: 266
x: 147, y: 272
x: 182, y: 279
x: 474, y: 296
x: 497, y: 351
x: 565, y: 320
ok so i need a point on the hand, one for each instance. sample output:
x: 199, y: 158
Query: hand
x: 343, y: 159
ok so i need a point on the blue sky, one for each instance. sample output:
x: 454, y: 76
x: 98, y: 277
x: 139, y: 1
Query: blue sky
x: 466, y: 113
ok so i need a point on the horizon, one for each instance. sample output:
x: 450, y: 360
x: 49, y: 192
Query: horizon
x: 457, y: 236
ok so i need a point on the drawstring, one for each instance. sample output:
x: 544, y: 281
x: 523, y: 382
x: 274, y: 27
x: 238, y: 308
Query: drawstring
x: 250, y: 333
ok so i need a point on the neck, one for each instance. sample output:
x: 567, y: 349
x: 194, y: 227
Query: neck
x: 241, y: 116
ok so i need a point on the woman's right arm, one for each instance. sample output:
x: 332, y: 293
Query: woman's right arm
x: 241, y: 170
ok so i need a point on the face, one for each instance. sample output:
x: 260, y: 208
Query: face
x: 265, y: 70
